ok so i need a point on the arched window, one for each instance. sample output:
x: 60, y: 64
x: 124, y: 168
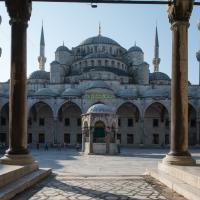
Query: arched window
x: 99, y: 62
x: 106, y: 62
x: 113, y: 63
x: 92, y: 62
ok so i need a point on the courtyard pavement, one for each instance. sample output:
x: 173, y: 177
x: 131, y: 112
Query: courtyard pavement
x: 81, y: 177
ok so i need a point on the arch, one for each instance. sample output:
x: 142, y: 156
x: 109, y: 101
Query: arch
x: 192, y: 120
x: 99, y: 131
x: 156, y: 124
x: 41, y: 127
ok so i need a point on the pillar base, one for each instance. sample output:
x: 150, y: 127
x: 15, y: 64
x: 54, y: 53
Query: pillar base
x: 186, y: 160
x: 14, y: 159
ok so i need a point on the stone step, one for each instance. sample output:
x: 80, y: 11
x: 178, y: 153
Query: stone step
x: 10, y: 190
x: 188, y: 174
x: 188, y: 191
x: 10, y: 173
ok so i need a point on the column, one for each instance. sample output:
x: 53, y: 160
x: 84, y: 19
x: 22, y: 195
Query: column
x: 179, y: 14
x: 19, y: 12
x: 91, y: 140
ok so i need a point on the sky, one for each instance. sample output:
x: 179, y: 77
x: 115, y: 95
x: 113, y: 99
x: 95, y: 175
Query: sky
x: 72, y: 23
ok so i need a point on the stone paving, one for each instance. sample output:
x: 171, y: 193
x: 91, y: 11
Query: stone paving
x: 77, y: 177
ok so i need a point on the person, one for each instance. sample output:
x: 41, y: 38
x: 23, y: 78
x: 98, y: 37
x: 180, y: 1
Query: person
x: 46, y: 147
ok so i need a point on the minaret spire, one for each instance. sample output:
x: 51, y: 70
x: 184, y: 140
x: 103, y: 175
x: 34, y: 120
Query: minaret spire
x: 99, y: 28
x: 156, y: 59
x: 41, y: 58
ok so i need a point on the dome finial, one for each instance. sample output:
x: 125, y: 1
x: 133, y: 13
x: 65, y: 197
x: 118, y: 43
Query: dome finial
x: 135, y: 43
x: 63, y: 43
x: 99, y: 28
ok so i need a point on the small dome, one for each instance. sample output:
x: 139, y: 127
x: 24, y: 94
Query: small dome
x: 46, y: 92
x: 99, y: 55
x: 135, y: 48
x: 40, y: 74
x: 127, y: 93
x: 100, y: 108
x: 98, y: 84
x: 72, y: 92
x: 158, y: 76
x: 99, y: 40
x: 62, y: 48
x: 55, y: 62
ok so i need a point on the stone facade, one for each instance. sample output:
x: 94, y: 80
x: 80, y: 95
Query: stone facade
x: 99, y: 70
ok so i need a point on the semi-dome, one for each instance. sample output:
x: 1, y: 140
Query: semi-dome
x: 135, y: 48
x: 99, y: 40
x: 62, y: 48
x: 98, y: 84
x: 158, y: 76
x: 72, y: 92
x: 127, y: 93
x: 46, y: 92
x: 40, y: 74
x: 99, y: 55
x: 100, y: 108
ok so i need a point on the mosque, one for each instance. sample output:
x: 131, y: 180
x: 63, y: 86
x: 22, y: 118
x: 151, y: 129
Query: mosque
x: 99, y: 92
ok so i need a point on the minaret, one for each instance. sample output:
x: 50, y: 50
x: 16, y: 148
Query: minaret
x: 156, y: 59
x: 41, y: 58
x: 198, y: 52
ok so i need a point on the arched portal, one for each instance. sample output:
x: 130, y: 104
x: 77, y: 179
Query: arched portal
x: 192, y: 130
x: 99, y: 132
x: 40, y: 124
x: 156, y: 125
x: 69, y: 123
x: 4, y: 122
x: 128, y: 124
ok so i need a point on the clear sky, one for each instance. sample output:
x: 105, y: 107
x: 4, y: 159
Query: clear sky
x: 72, y: 23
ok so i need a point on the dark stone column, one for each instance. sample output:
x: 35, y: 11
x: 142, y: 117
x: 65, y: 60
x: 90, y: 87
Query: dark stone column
x: 179, y: 15
x: 19, y: 12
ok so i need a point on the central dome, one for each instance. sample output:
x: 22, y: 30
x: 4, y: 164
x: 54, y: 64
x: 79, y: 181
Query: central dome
x: 99, y: 40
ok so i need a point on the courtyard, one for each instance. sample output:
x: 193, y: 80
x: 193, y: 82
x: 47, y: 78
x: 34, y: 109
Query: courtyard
x: 77, y: 176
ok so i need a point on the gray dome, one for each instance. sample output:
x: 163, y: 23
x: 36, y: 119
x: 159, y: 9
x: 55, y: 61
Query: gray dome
x: 72, y: 92
x: 55, y: 62
x: 46, y: 92
x: 99, y: 40
x: 158, y: 76
x: 99, y: 55
x: 127, y: 93
x: 40, y: 74
x: 100, y: 108
x: 135, y: 48
x: 62, y: 48
x: 99, y: 84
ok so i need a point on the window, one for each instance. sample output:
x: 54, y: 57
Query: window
x: 29, y: 121
x: 79, y: 138
x: 3, y: 121
x: 92, y: 63
x: 113, y: 63
x: 41, y: 122
x: 67, y: 138
x: 41, y: 138
x: 119, y: 137
x: 155, y: 139
x: 79, y: 122
x: 130, y: 122
x: 29, y: 138
x: 166, y: 139
x: 99, y: 62
x: 67, y: 121
x: 167, y: 123
x: 155, y: 122
x: 2, y: 137
x: 130, y: 139
x: 193, y: 123
x: 119, y: 122
x: 106, y: 62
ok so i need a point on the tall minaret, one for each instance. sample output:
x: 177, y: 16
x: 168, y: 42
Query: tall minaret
x: 198, y: 52
x: 156, y: 59
x: 41, y: 58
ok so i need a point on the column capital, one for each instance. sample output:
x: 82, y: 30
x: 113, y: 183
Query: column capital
x: 180, y: 10
x: 19, y: 10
